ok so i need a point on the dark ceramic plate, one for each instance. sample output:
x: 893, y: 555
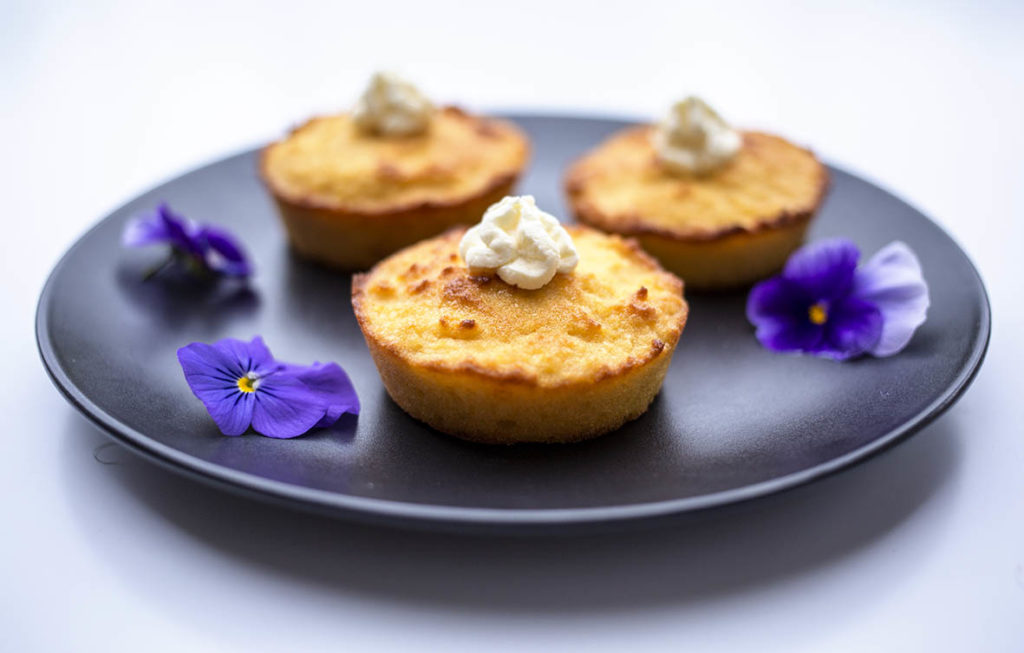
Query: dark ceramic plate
x: 732, y: 422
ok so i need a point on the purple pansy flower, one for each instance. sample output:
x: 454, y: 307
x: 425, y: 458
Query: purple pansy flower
x: 241, y: 384
x: 203, y: 249
x: 823, y: 304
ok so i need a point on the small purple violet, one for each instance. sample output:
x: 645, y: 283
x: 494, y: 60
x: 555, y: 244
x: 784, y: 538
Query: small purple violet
x: 202, y: 249
x: 241, y: 384
x: 823, y: 304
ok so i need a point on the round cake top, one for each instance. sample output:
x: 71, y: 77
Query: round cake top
x: 330, y: 163
x: 615, y: 312
x: 620, y: 186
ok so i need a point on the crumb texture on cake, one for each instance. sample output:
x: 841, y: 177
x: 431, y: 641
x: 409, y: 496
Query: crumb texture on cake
x: 620, y: 186
x: 616, y: 311
x: 330, y: 163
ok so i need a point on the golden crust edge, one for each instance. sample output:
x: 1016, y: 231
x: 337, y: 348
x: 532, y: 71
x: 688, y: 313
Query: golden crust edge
x: 521, y: 379
x: 555, y: 415
x: 356, y: 242
x: 584, y: 212
x: 339, y: 209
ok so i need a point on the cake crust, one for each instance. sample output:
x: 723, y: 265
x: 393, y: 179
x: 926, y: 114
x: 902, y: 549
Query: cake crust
x: 727, y: 228
x: 485, y: 361
x: 348, y: 199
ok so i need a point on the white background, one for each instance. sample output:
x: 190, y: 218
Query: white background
x: 921, y: 549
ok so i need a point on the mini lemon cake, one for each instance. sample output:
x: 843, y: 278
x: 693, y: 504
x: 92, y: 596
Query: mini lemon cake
x: 718, y: 207
x: 355, y: 187
x: 520, y: 330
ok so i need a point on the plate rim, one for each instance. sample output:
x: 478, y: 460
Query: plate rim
x: 414, y: 514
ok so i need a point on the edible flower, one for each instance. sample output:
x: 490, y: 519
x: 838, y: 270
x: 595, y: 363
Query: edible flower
x: 241, y: 384
x: 203, y: 250
x: 823, y: 304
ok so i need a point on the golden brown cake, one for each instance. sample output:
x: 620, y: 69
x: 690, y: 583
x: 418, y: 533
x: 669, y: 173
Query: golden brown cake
x: 729, y: 227
x: 349, y: 197
x: 483, y: 360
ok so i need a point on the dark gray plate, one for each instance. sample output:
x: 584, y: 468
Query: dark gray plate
x: 732, y: 422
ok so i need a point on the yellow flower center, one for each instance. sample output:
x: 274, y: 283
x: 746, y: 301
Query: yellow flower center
x: 248, y: 382
x: 817, y: 313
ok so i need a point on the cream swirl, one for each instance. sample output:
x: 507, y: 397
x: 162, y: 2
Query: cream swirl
x: 392, y: 106
x: 525, y: 246
x: 693, y: 138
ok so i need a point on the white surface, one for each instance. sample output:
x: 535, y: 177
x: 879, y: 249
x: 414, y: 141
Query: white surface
x: 921, y: 549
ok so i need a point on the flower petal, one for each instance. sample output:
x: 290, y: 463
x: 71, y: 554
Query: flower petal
x: 792, y: 335
x: 199, y: 358
x: 233, y: 413
x: 332, y: 386
x: 778, y: 308
x: 776, y: 297
x: 824, y: 268
x: 212, y: 375
x: 252, y: 356
x: 853, y: 327
x: 223, y: 253
x: 285, y: 407
x: 284, y: 400
x: 202, y: 249
x: 145, y: 230
x: 180, y: 232
x: 892, y: 280
x: 162, y: 226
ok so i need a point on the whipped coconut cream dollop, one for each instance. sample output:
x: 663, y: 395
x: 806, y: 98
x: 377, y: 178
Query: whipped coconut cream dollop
x: 524, y: 245
x: 391, y: 106
x: 693, y: 138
